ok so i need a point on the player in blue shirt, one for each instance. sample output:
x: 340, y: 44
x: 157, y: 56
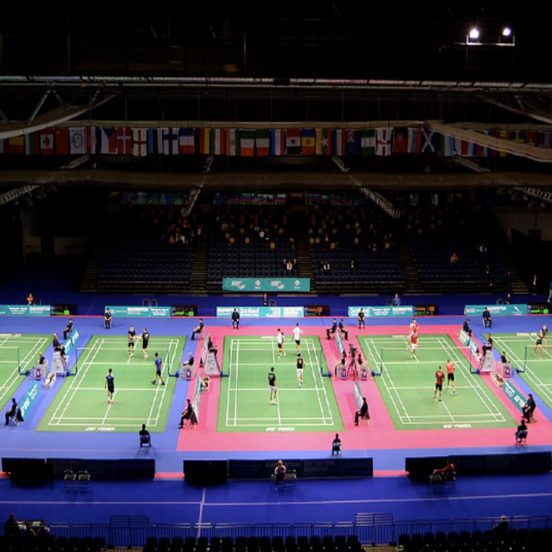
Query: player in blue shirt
x: 158, y: 370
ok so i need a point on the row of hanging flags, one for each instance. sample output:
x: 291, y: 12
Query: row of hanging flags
x: 238, y: 142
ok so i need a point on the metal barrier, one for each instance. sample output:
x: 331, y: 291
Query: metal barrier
x: 132, y: 531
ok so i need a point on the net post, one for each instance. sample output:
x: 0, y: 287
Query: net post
x: 525, y: 358
x: 381, y: 361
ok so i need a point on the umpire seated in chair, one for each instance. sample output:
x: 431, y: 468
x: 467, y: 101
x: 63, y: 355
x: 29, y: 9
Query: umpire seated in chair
x: 145, y: 437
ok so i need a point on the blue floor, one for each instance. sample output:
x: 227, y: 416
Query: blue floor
x: 176, y: 501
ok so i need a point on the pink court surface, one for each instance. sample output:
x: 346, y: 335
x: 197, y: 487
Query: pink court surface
x: 378, y: 434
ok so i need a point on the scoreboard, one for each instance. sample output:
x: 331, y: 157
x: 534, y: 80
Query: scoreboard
x: 540, y: 308
x: 426, y: 310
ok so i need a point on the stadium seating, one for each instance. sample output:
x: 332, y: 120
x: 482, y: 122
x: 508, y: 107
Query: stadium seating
x: 250, y: 241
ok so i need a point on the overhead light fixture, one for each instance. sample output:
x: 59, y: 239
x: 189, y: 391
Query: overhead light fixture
x: 506, y: 32
x: 473, y: 35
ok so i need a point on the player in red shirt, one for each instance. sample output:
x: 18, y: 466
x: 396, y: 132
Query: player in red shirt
x: 439, y: 379
x: 450, y: 376
x: 413, y: 343
x: 413, y: 326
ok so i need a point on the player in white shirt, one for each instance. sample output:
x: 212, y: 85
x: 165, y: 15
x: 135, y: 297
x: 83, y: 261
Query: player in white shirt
x: 297, y: 333
x: 280, y: 342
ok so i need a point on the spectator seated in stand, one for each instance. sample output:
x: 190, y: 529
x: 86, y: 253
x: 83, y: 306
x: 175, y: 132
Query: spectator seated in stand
x: 145, y: 437
x: 440, y: 475
x: 521, y: 432
x: 279, y: 472
x: 486, y: 318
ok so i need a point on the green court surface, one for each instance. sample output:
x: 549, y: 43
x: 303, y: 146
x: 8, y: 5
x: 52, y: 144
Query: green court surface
x: 81, y: 404
x: 520, y: 352
x: 18, y: 350
x: 244, y: 403
x: 407, y: 385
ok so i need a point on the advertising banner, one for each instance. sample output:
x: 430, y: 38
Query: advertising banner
x: 266, y: 285
x: 496, y: 310
x: 24, y: 310
x: 262, y: 312
x: 145, y: 312
x: 407, y: 310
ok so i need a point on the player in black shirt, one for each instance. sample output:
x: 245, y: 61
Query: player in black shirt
x: 272, y: 386
x: 145, y: 342
x: 131, y: 340
x: 300, y: 365
x: 110, y: 385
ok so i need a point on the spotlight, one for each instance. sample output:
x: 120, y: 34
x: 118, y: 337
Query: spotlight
x: 473, y: 34
x: 506, y: 32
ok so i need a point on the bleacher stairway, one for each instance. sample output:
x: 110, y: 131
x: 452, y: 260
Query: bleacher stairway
x: 298, y: 230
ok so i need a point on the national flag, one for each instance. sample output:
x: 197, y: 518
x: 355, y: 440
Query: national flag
x: 338, y: 141
x: 502, y: 135
x: 62, y: 141
x: 368, y: 141
x: 139, y: 142
x: 108, y: 141
x: 246, y: 142
x: 517, y: 136
x: 186, y: 141
x: 323, y: 141
x: 31, y: 143
x: 414, y: 140
x: 531, y: 137
x: 429, y: 140
x: 383, y: 141
x: 544, y: 139
x: 124, y: 141
x: 400, y: 140
x: 293, y: 141
x: 262, y: 142
x: 353, y: 142
x: 93, y: 139
x: 47, y: 141
x: 277, y: 142
x: 218, y: 141
x: 167, y: 141
x: 16, y: 144
x: 232, y: 144
x: 204, y: 141
x: 308, y: 141
x: 152, y: 141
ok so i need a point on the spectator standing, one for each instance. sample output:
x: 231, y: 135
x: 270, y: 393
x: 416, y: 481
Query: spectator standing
x: 336, y: 445
x: 360, y: 318
x: 235, y: 319
x: 486, y: 316
x: 107, y: 319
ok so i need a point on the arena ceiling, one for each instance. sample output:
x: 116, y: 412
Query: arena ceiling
x: 333, y: 63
